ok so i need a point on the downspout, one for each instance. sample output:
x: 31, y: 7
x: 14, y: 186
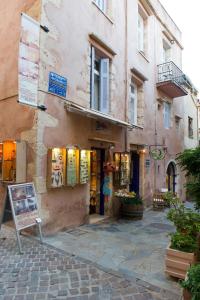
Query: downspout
x: 126, y: 74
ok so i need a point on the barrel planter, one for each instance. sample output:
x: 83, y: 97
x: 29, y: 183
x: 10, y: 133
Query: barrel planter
x: 131, y: 208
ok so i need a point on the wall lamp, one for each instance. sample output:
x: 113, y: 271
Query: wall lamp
x: 45, y: 28
x: 42, y: 107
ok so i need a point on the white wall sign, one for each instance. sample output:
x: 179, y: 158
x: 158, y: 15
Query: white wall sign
x: 28, y: 64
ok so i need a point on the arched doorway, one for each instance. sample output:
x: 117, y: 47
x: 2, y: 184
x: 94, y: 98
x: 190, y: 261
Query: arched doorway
x: 171, y: 177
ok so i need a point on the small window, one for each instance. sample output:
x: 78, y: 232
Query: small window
x: 167, y: 115
x: 99, y: 82
x: 190, y: 128
x: 133, y: 103
x: 102, y: 4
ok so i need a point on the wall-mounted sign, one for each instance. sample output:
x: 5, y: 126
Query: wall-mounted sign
x: 57, y: 84
x: 29, y: 61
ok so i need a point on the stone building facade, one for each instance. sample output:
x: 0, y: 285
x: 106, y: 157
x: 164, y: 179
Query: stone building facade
x: 126, y: 100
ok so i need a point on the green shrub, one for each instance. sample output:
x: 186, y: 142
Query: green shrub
x: 182, y: 242
x: 192, y: 282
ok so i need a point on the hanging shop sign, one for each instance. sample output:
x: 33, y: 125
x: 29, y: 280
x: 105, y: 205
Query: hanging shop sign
x: 28, y: 65
x: 57, y: 84
x: 157, y: 153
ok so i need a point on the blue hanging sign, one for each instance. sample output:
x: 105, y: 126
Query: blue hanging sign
x: 57, y: 84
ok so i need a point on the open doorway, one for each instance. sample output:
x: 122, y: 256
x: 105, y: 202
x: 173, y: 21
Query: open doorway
x: 135, y: 173
x: 96, y: 181
x: 171, y: 177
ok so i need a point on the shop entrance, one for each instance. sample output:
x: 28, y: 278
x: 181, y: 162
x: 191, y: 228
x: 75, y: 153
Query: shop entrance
x: 96, y: 181
x: 135, y: 173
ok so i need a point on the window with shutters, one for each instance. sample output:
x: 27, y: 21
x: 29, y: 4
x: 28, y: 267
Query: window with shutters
x: 190, y: 128
x: 102, y: 4
x: 133, y: 103
x: 99, y: 81
x: 167, y: 115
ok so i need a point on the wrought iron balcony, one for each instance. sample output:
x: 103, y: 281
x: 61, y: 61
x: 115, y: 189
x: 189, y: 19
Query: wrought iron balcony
x: 171, y: 80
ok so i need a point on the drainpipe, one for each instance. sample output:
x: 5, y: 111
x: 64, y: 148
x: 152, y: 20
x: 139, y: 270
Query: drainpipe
x: 126, y: 72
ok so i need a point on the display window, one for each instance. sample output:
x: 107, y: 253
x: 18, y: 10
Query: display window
x: 84, y: 166
x: 13, y: 161
x: 72, y: 167
x: 57, y: 167
x: 122, y: 171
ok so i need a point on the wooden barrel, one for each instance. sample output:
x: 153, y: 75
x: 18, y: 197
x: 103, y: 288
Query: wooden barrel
x: 132, y: 211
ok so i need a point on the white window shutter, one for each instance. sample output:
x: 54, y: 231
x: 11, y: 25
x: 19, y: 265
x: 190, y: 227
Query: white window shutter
x: 104, y: 85
x: 92, y: 78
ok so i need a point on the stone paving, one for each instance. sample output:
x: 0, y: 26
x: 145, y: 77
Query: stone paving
x: 43, y: 272
x: 133, y: 248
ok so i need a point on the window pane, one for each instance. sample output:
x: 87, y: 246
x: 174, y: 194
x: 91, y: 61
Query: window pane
x: 140, y: 33
x: 96, y: 92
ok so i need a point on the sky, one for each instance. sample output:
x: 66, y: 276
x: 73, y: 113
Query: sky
x: 186, y: 15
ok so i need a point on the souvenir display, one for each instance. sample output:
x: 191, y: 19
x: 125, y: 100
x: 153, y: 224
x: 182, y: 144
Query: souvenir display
x: 122, y: 169
x: 93, y: 183
x: 84, y: 166
x: 58, y: 158
x: 72, y: 166
x: 1, y: 160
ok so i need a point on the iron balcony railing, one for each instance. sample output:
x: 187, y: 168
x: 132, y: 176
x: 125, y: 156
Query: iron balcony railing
x: 170, y: 72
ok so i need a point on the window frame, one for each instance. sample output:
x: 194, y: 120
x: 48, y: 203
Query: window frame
x: 102, y: 5
x: 167, y: 115
x: 104, y: 81
x: 133, y: 109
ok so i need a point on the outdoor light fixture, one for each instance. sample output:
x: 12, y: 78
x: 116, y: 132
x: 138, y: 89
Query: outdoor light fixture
x: 42, y: 107
x: 45, y: 28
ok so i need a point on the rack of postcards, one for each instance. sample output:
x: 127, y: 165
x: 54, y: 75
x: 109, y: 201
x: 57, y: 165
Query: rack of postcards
x: 122, y: 172
x: 68, y: 167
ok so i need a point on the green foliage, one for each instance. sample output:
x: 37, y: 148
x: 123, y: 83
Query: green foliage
x: 192, y: 282
x: 187, y: 223
x: 183, y: 242
x: 132, y: 200
x: 189, y: 161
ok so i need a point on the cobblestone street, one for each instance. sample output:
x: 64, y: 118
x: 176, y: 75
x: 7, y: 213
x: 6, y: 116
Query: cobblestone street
x: 43, y: 272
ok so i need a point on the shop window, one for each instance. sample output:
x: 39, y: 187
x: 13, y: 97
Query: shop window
x: 167, y: 115
x: 142, y: 30
x: 99, y: 81
x: 13, y: 161
x: 190, y: 128
x: 84, y: 166
x: 57, y: 165
x: 122, y: 173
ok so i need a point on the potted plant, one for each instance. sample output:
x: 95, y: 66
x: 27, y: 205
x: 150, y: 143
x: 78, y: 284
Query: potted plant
x: 183, y: 248
x: 191, y: 284
x: 131, y: 204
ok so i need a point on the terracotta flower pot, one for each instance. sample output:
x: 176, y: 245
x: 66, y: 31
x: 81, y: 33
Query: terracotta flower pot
x: 177, y: 262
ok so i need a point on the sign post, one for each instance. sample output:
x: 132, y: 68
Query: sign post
x: 23, y: 201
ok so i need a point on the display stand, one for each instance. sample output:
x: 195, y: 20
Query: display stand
x: 24, y: 208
